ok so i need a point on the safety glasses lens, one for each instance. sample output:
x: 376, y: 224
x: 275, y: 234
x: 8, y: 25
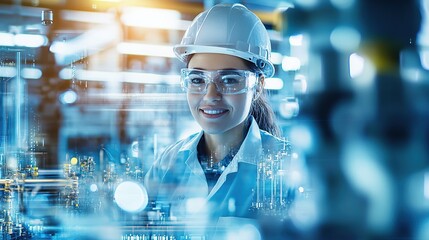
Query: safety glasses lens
x: 226, y: 81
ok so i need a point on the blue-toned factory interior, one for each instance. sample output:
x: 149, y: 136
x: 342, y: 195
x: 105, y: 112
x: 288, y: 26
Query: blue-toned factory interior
x: 91, y: 96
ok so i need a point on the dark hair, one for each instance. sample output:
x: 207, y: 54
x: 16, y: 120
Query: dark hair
x: 261, y: 109
x: 264, y: 114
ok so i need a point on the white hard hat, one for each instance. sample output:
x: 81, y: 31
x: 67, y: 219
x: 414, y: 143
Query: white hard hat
x: 228, y: 29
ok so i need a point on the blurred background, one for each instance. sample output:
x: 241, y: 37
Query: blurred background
x: 90, y: 95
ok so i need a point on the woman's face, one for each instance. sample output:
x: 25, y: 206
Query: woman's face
x: 217, y: 113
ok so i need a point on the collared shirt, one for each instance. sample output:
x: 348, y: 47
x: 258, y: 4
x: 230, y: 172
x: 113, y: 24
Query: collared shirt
x: 177, y: 177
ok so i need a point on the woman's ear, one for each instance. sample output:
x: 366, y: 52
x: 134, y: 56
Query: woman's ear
x: 259, y: 87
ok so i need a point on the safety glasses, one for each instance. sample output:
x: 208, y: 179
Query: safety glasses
x: 226, y: 81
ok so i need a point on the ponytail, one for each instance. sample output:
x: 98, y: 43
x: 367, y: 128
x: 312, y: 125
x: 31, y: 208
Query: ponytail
x: 264, y: 115
x: 261, y: 110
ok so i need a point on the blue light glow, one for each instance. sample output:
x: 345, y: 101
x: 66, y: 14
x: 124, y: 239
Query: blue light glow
x: 68, y: 97
x: 131, y: 196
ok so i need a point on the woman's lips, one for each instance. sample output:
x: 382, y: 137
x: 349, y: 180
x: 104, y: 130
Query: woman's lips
x: 213, y: 113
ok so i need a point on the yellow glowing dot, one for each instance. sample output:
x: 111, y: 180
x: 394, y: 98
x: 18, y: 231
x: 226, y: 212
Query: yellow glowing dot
x: 73, y: 161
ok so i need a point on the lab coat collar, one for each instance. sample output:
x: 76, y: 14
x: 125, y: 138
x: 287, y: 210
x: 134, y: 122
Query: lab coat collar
x: 250, y: 151
x: 190, y: 147
x: 246, y: 153
x: 192, y: 142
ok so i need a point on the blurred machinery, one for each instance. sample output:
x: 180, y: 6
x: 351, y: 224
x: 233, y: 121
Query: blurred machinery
x: 56, y: 204
x: 369, y: 137
x: 273, y: 196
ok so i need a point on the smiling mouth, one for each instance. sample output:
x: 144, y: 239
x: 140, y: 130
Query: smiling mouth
x: 213, y: 112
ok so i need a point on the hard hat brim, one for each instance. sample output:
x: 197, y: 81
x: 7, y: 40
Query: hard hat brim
x: 184, y: 51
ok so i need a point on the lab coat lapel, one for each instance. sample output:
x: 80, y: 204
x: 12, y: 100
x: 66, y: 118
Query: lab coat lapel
x: 249, y: 152
x: 193, y: 164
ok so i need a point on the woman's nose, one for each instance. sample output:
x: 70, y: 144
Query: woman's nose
x: 212, y: 92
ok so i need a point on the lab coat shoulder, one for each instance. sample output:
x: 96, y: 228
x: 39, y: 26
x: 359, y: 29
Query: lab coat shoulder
x: 272, y: 144
x: 290, y: 156
x: 173, y: 158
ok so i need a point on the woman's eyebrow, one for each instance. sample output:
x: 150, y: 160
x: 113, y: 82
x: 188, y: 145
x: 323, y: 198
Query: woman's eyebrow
x: 228, y: 68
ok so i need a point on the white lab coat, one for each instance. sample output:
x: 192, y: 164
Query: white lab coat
x: 177, y: 177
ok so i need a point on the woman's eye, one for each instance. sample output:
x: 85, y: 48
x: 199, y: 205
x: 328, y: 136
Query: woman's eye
x: 196, y: 80
x: 231, y: 79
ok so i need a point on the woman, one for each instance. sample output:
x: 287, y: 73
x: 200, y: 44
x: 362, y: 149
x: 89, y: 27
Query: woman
x: 214, y: 172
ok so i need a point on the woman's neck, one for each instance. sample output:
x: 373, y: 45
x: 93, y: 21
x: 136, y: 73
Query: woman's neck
x: 217, y: 146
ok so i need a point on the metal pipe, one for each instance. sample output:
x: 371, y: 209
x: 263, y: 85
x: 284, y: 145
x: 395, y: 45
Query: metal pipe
x: 18, y: 97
